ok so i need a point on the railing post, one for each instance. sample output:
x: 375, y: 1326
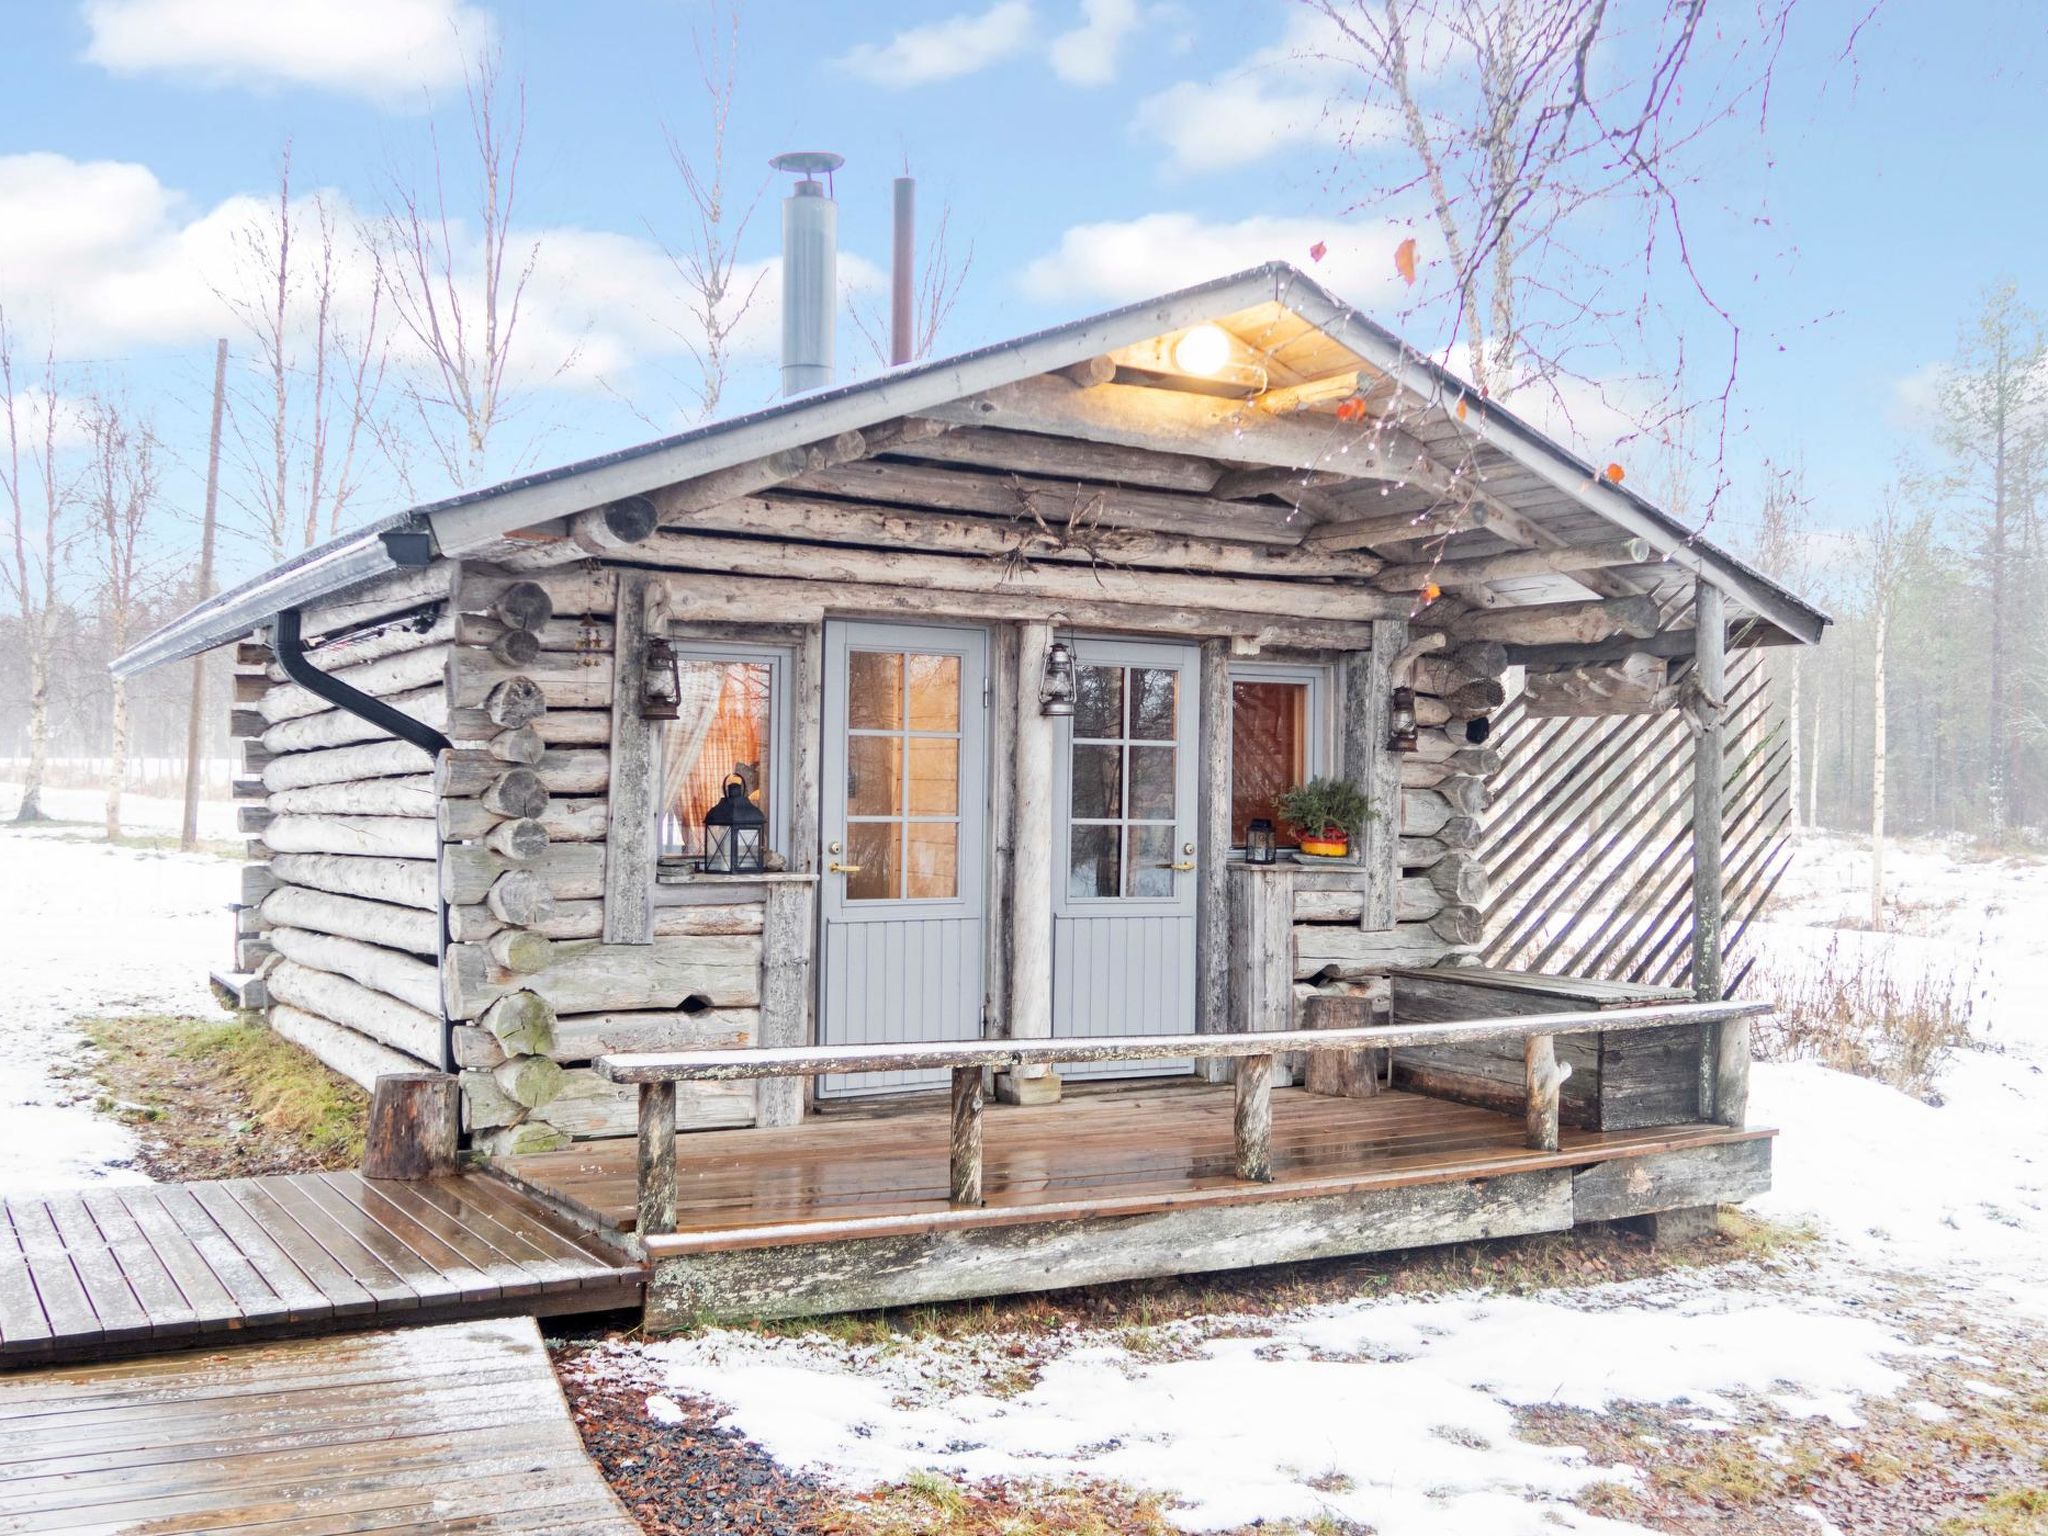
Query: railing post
x: 966, y: 1162
x: 1253, y: 1123
x: 657, y: 1203
x: 1544, y: 1078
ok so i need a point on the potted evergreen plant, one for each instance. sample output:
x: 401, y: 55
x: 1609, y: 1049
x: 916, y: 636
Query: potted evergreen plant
x: 1326, y: 815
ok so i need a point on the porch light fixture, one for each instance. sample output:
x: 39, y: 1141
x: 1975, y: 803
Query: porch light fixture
x: 1401, y: 722
x: 661, y: 686
x: 1056, y: 690
x: 734, y: 830
x: 1203, y: 350
x: 1258, y: 842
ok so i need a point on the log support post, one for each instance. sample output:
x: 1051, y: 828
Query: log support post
x: 1368, y: 704
x: 1544, y: 1077
x: 415, y: 1119
x: 1253, y: 1123
x: 1262, y: 968
x: 1031, y: 865
x: 657, y: 1202
x: 1212, y: 872
x: 965, y: 1184
x: 1725, y: 1084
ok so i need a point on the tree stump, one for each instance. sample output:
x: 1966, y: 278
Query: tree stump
x: 414, y: 1120
x: 1339, y: 1074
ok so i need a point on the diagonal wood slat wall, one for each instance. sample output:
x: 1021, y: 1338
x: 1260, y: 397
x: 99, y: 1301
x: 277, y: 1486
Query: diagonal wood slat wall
x: 1588, y: 843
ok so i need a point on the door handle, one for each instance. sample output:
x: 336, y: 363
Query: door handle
x: 843, y: 869
x: 1183, y: 866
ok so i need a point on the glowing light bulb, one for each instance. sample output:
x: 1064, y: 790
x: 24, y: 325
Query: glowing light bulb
x: 1204, y: 350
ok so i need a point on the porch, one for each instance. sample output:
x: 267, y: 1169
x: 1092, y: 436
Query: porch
x: 855, y: 1208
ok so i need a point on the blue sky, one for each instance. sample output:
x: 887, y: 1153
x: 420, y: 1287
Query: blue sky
x: 1086, y: 166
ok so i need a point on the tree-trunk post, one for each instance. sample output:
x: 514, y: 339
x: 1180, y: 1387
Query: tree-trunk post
x: 657, y: 1204
x: 1253, y: 1124
x: 1544, y: 1079
x: 966, y: 1160
x: 415, y: 1119
x: 1729, y: 1096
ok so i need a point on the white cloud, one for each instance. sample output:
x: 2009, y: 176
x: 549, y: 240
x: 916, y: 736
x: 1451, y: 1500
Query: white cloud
x: 1088, y: 54
x: 944, y: 50
x: 1135, y: 258
x: 1289, y: 93
x: 388, y: 50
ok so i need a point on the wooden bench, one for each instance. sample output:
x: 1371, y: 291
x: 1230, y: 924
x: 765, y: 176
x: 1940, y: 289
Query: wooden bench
x: 658, y: 1072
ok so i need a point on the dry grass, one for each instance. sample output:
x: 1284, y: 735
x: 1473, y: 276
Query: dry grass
x: 1855, y: 1017
x: 223, y: 1099
x: 932, y: 1505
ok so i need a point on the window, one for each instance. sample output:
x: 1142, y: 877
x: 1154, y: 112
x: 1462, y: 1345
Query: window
x: 731, y: 719
x: 1123, y: 776
x: 1277, y: 740
x: 903, y: 748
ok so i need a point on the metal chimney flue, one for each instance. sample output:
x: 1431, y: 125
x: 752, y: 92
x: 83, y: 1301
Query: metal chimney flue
x: 810, y: 269
x: 903, y: 276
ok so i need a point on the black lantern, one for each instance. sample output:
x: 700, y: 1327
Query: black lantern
x: 661, y: 685
x: 1056, y: 691
x: 734, y: 830
x: 1258, y: 842
x: 1401, y: 722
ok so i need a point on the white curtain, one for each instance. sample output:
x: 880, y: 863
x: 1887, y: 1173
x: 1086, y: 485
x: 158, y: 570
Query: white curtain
x: 682, y: 740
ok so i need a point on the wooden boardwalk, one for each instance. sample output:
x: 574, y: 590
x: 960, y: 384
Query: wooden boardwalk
x: 460, y: 1427
x: 152, y: 1267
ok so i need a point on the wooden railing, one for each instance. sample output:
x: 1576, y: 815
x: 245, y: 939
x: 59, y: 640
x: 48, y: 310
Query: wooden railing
x: 658, y: 1072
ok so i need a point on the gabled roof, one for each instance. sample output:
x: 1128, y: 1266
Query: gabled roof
x: 1520, y: 466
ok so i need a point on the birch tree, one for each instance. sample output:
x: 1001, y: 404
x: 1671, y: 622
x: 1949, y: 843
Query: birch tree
x: 119, y: 493
x: 317, y: 323
x: 1888, y: 548
x: 35, y: 507
x: 1780, y: 552
x: 457, y: 305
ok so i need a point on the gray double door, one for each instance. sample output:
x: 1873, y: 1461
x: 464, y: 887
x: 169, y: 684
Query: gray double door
x: 906, y: 823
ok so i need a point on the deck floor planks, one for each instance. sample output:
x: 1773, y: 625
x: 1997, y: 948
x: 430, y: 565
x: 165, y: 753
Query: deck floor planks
x: 1129, y: 1150
x: 167, y: 1266
x: 410, y: 1444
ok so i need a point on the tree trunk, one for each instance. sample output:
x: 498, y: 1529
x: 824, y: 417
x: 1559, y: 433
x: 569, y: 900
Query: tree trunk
x: 1799, y: 822
x: 1877, y: 725
x: 31, y: 808
x: 117, y: 769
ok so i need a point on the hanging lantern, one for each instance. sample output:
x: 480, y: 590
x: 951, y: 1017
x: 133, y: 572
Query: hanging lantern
x: 1401, y: 722
x: 734, y: 832
x: 1056, y: 692
x: 1258, y: 842
x: 661, y: 685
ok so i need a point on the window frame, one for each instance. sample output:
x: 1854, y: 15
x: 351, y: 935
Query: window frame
x: 1319, y: 678
x: 781, y: 663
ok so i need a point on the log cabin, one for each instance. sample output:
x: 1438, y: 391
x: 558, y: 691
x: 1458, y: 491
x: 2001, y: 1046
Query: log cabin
x: 820, y: 844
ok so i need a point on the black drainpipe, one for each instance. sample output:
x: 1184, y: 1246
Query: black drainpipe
x: 290, y: 649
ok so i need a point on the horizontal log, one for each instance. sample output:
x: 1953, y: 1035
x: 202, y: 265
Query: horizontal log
x: 385, y: 596
x: 399, y: 837
x: 576, y: 590
x: 352, y: 917
x: 583, y: 635
x: 818, y: 521
x: 410, y: 795
x: 1416, y: 900
x: 340, y: 1049
x: 392, y: 972
x: 467, y: 774
x: 1515, y: 564
x: 1560, y: 623
x: 810, y: 1061
x: 565, y: 681
x: 1045, y: 580
x: 585, y: 920
x: 379, y: 759
x: 587, y: 1106
x: 570, y: 871
x: 767, y: 600
x: 1339, y: 953
x: 1637, y: 685
x: 581, y: 1038
x: 421, y: 667
x: 1032, y: 453
x: 574, y: 728
x: 672, y: 972
x: 409, y: 882
x: 335, y: 727
x: 363, y: 1009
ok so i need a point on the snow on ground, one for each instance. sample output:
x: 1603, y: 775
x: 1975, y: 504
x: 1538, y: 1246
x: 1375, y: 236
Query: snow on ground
x: 1397, y: 1414
x: 93, y: 930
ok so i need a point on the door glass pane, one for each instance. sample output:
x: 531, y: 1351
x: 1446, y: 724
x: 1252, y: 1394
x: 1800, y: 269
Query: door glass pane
x: 1152, y: 783
x: 874, y: 775
x: 1268, y: 752
x: 1092, y: 862
x: 1099, y: 702
x: 932, y: 867
x: 1153, y: 694
x: 873, y: 846
x: 1151, y: 855
x: 1098, y: 782
x: 874, y: 691
x: 934, y: 774
x: 934, y: 683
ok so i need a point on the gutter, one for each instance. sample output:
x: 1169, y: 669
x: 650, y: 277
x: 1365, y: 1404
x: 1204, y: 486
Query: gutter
x: 289, y: 647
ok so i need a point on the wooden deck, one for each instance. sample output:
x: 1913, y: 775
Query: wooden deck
x: 165, y: 1266
x: 456, y: 1427
x: 884, y: 1171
